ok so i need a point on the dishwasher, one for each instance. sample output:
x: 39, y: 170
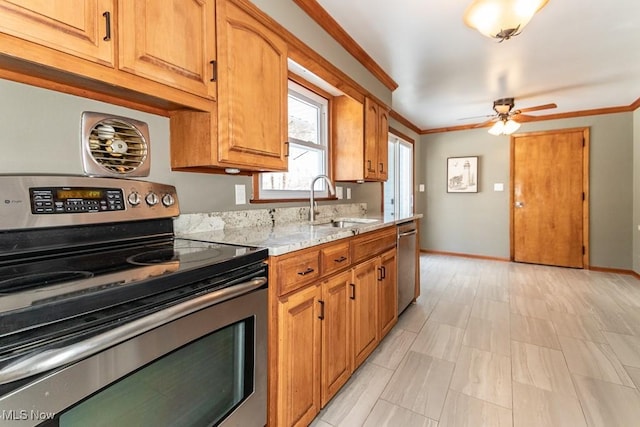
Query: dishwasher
x: 407, y: 257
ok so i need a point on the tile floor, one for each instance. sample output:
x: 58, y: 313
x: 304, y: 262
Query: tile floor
x: 492, y: 343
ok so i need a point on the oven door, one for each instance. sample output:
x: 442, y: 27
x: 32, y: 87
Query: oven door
x: 205, y: 368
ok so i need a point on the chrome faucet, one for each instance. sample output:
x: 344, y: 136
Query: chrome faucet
x: 312, y: 196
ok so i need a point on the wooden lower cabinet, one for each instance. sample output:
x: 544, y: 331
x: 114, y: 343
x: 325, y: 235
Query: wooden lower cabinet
x: 336, y: 328
x: 299, y: 357
x: 327, y: 324
x: 364, y: 310
x: 387, y: 293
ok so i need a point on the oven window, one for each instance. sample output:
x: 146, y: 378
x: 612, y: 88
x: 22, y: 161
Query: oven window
x: 196, y: 385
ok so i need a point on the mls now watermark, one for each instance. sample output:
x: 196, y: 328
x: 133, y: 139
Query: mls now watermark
x: 24, y: 415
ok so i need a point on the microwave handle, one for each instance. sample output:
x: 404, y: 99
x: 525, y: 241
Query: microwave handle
x: 57, y: 357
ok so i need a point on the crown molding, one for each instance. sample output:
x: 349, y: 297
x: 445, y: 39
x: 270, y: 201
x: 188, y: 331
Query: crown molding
x: 331, y: 26
x: 402, y: 120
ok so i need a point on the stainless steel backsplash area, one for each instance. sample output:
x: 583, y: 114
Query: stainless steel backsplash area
x: 40, y: 133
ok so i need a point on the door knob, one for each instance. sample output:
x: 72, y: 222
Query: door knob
x: 519, y: 204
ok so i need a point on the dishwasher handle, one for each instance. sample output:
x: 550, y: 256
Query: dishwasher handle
x: 57, y: 357
x: 408, y: 233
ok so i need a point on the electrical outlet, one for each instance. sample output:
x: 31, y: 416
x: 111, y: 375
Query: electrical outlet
x: 421, y: 188
x: 339, y: 192
x: 348, y: 193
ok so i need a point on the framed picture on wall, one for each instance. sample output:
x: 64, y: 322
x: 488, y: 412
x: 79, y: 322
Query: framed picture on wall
x: 462, y: 174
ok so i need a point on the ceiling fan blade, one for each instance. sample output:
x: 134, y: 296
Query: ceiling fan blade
x: 476, y: 117
x: 485, y: 123
x: 537, y: 108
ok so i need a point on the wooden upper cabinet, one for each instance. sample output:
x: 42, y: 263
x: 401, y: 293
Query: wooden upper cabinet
x: 75, y: 27
x: 360, y: 140
x: 252, y: 91
x: 171, y: 42
x: 376, y: 128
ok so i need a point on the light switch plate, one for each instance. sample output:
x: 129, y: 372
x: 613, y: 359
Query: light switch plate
x: 421, y: 188
x: 498, y: 186
x: 339, y: 192
x: 348, y: 193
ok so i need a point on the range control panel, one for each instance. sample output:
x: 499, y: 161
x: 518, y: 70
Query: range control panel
x: 75, y: 199
x: 37, y: 201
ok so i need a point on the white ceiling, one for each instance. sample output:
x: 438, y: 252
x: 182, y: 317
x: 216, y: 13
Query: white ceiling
x: 580, y: 54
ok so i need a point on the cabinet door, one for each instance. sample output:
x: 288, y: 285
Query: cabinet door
x: 371, y: 140
x: 76, y: 27
x: 170, y: 41
x: 252, y: 91
x: 387, y: 292
x: 383, y: 144
x: 336, y: 357
x: 299, y: 357
x: 363, y: 299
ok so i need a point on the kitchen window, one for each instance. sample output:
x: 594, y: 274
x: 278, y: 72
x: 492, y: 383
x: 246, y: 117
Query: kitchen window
x: 308, y: 148
x: 398, y: 189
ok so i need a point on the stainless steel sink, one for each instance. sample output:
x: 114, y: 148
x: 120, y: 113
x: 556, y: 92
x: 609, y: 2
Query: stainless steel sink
x: 348, y: 222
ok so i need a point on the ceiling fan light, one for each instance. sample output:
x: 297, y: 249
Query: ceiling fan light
x: 510, y: 127
x: 501, y: 19
x: 497, y: 128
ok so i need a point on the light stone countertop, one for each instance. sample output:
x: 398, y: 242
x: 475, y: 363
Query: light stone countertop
x: 287, y: 237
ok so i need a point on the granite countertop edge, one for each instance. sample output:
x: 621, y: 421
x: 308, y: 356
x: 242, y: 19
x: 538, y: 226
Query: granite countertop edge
x: 285, y: 238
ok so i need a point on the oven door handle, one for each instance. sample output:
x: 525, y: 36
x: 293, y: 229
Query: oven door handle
x: 57, y: 357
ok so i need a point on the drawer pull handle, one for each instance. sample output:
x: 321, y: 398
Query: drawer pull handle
x: 305, y: 272
x: 369, y: 166
x: 321, y: 317
x: 353, y: 291
x: 107, y: 18
x: 381, y: 167
x: 341, y: 259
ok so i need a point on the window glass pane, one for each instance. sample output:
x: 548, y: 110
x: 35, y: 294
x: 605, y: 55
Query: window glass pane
x: 304, y: 164
x: 405, y: 180
x: 308, y: 142
x: 303, y: 120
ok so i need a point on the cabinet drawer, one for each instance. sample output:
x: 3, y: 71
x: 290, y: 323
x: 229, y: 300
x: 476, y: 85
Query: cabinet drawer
x: 335, y: 257
x: 370, y: 244
x: 297, y: 270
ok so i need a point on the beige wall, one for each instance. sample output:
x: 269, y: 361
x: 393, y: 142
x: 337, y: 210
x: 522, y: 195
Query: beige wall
x: 479, y: 223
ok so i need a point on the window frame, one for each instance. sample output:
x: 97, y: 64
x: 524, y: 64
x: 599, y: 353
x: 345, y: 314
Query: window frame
x: 405, y: 139
x: 302, y: 195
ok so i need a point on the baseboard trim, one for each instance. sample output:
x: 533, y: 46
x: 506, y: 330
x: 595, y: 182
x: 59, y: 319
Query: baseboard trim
x: 614, y: 270
x: 590, y: 267
x: 462, y: 255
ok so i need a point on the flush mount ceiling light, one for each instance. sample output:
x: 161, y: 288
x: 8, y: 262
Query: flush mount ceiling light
x: 501, y: 19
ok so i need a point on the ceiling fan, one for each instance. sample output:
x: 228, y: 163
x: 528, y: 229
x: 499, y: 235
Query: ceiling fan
x: 504, y: 116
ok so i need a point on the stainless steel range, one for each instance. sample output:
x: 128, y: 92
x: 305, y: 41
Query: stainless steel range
x: 106, y: 318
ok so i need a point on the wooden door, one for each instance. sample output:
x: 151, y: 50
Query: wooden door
x: 336, y: 357
x: 387, y: 293
x: 76, y: 27
x: 549, y: 212
x: 252, y: 91
x: 299, y: 357
x: 363, y: 310
x: 170, y: 41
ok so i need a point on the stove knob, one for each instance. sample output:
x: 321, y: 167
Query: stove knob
x: 168, y: 200
x: 152, y: 199
x: 134, y: 199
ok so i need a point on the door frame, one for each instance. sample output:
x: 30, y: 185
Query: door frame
x: 585, y: 188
